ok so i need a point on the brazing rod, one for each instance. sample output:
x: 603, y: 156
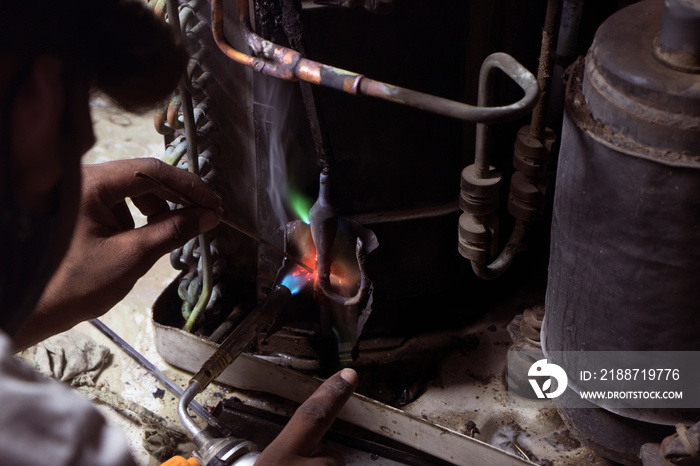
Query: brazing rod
x: 162, y: 378
x: 185, y: 201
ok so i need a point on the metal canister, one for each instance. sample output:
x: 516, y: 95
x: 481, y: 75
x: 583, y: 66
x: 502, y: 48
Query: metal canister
x: 624, y: 272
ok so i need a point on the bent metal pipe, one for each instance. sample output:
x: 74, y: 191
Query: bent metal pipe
x: 284, y: 63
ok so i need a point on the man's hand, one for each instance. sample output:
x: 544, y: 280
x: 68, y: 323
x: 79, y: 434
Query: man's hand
x: 107, y: 254
x: 296, y: 445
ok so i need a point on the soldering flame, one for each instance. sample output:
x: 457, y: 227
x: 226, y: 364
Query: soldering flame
x: 297, y: 279
x: 344, y: 274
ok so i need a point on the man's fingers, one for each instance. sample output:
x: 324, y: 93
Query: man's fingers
x: 313, y: 418
x: 296, y: 444
x: 325, y: 455
x: 118, y: 181
x: 122, y: 215
x: 150, y: 204
x: 169, y: 231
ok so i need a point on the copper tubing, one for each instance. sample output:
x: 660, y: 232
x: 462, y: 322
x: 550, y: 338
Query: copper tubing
x: 284, y: 63
x: 160, y: 121
x: 173, y: 113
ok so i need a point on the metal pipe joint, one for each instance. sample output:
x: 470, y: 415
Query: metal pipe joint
x: 323, y: 221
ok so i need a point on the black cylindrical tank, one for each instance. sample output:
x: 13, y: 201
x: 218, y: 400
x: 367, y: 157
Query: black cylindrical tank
x: 624, y: 272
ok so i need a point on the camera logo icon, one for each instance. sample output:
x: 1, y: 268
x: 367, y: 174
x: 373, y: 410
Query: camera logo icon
x: 543, y: 369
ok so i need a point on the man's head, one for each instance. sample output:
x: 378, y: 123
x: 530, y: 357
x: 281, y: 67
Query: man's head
x: 53, y: 55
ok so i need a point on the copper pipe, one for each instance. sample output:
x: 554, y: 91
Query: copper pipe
x: 284, y: 63
x: 173, y: 113
x: 158, y: 8
x: 160, y: 120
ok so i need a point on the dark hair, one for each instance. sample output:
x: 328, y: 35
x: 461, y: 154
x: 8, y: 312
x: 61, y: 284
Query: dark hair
x: 129, y: 54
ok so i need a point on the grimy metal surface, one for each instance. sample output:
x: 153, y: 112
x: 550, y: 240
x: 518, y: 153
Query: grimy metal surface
x: 678, y: 42
x: 624, y: 266
x: 625, y: 259
x: 189, y: 352
x: 637, y: 95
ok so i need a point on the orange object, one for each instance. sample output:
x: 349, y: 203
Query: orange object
x: 180, y: 461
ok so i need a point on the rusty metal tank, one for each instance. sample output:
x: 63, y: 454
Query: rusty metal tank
x: 624, y: 271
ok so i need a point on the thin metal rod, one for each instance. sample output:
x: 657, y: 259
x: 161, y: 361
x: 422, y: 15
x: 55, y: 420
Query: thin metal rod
x: 550, y: 33
x: 388, y: 216
x: 162, y: 378
x: 185, y: 201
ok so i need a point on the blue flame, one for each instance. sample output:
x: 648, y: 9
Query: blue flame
x: 297, y: 280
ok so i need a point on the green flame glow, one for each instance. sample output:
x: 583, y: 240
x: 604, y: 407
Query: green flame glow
x: 300, y: 205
